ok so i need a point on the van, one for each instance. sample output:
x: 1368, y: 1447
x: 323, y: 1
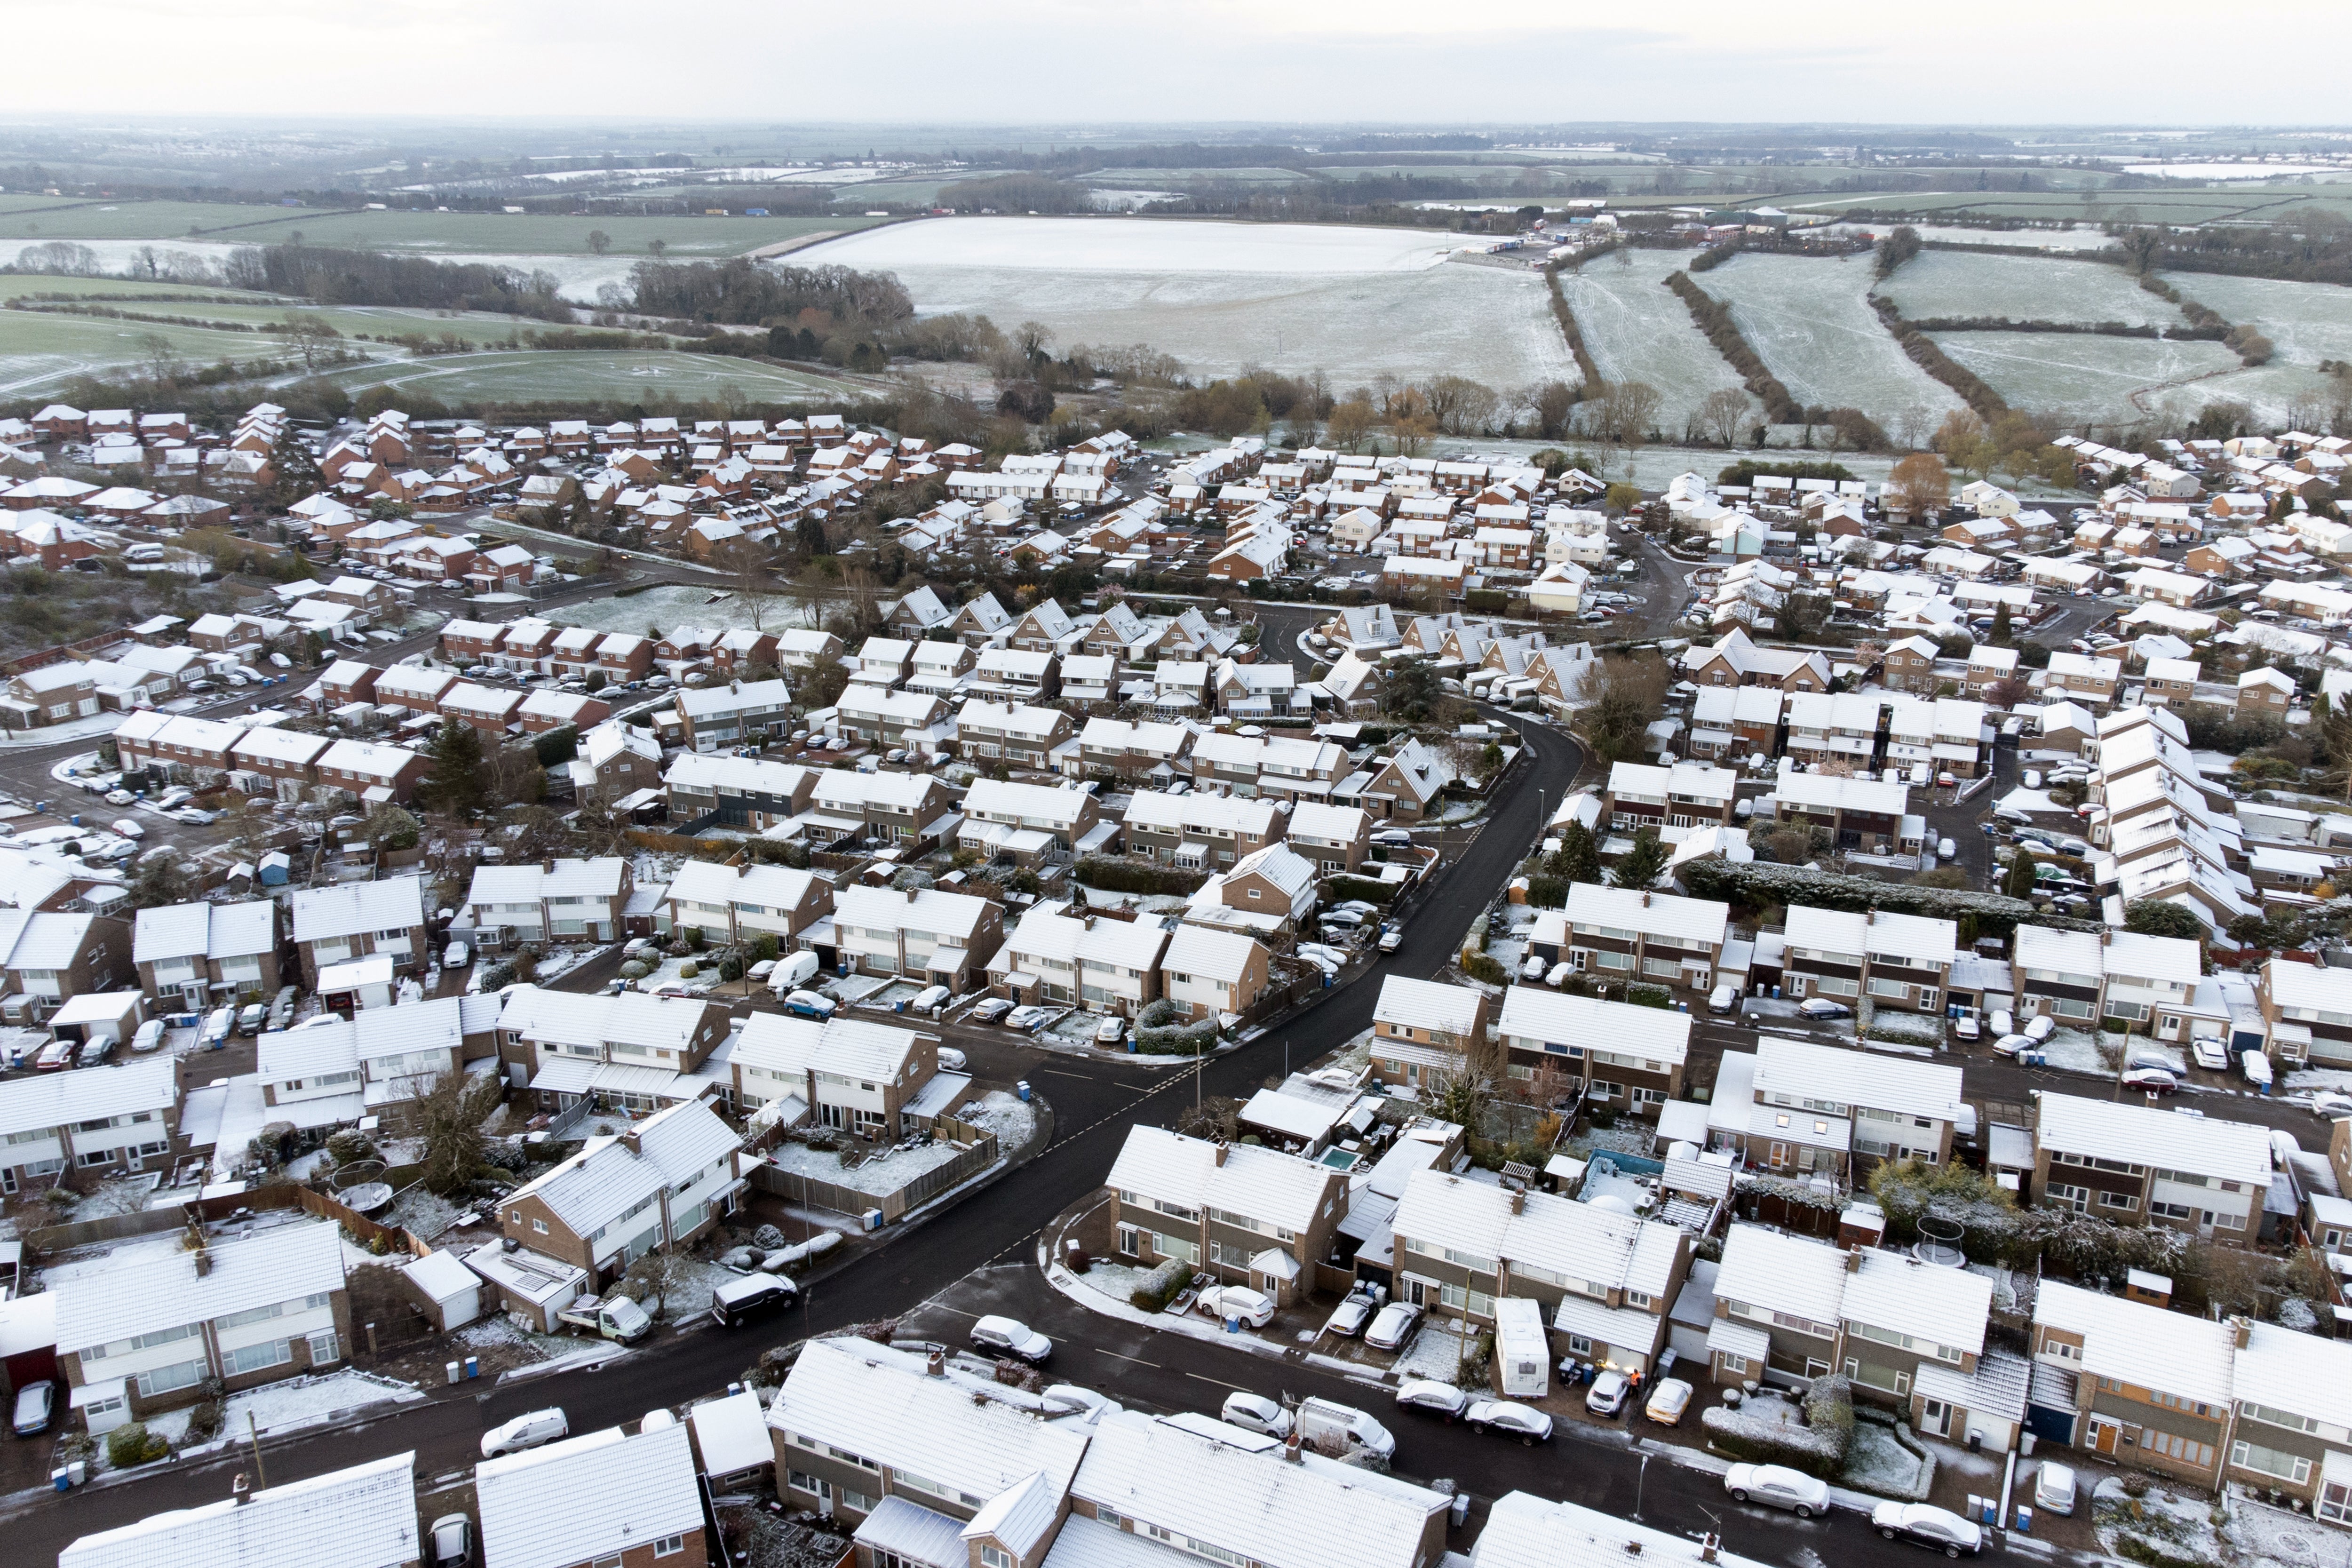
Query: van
x: 753, y: 1296
x: 1322, y: 1420
x: 791, y: 972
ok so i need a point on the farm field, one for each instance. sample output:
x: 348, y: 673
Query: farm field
x: 2305, y: 322
x: 1810, y: 320
x: 32, y: 219
x: 2022, y: 288
x: 2079, y: 378
x: 129, y: 292
x: 2267, y: 201
x: 352, y: 321
x: 647, y: 377
x: 40, y: 351
x: 1354, y: 303
x: 1637, y: 330
x: 2069, y: 239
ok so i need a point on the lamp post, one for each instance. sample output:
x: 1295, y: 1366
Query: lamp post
x: 1639, y: 1476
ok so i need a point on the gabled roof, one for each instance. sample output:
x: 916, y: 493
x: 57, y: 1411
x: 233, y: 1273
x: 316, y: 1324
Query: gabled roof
x: 633, y: 1017
x: 1934, y: 1301
x: 150, y: 1291
x: 1857, y: 1077
x: 1217, y: 955
x: 1554, y: 1017
x: 37, y: 1103
x: 1264, y: 1183
x: 1428, y: 1004
x: 1653, y: 914
x: 324, y: 913
x: 2144, y: 1345
x: 587, y: 1496
x: 1782, y: 1273
x: 363, y: 1516
x: 1581, y: 1241
x: 2142, y: 1135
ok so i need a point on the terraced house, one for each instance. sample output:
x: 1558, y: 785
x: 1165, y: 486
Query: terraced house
x: 1605, y: 1279
x: 2135, y: 1165
x: 1250, y: 1215
x: 1898, y: 961
x: 1624, y: 1056
x: 1626, y: 933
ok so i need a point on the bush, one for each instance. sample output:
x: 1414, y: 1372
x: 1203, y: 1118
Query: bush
x: 1157, y: 1288
x: 1138, y: 877
x: 689, y: 970
x: 731, y: 969
x: 349, y: 1146
x: 1547, y: 892
x: 1341, y: 889
x: 132, y: 1444
x: 1480, y: 966
x: 1818, y: 1449
x: 1649, y: 996
x: 636, y: 969
x: 1164, y: 1029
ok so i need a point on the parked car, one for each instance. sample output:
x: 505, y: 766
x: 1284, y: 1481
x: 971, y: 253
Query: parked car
x: 1607, y: 1395
x: 1966, y: 1029
x: 455, y: 955
x: 150, y: 1035
x: 36, y: 1406
x: 1777, y: 1486
x: 453, y: 1540
x: 1724, y: 999
x: 1822, y: 1007
x: 1110, y: 1031
x: 1937, y: 1528
x: 128, y: 828
x: 55, y: 1057
x: 2213, y: 1056
x: 1667, y: 1402
x: 1342, y: 920
x: 809, y: 1005
x: 990, y: 1011
x: 1534, y: 968
x: 1069, y: 1399
x: 1252, y: 1307
x: 1028, y: 1020
x: 1393, y: 838
x: 2054, y: 1487
x: 1256, y: 1413
x: 2040, y: 1027
x: 931, y: 996
x: 528, y: 1431
x: 1510, y: 1418
x: 1010, y: 1336
x: 1392, y: 1326
x: 750, y: 1298
x: 2150, y: 1080
x: 1392, y: 938
x: 950, y: 1059
x: 2332, y: 1106
x: 1428, y: 1394
x: 1353, y: 1314
x: 120, y: 798
x: 2010, y: 1045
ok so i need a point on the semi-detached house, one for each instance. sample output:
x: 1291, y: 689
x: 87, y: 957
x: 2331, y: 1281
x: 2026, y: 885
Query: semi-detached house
x: 1248, y: 1215
x: 2133, y: 1382
x: 578, y: 900
x: 2136, y: 1164
x: 738, y: 713
x: 1605, y: 1280
x: 633, y: 1051
x: 333, y: 924
x: 743, y: 903
x: 1199, y: 832
x: 1424, y: 1030
x: 941, y: 938
x: 1897, y: 960
x: 2079, y: 978
x: 190, y: 954
x: 1626, y: 933
x: 1624, y: 1056
x: 1028, y: 822
x: 662, y: 1183
x: 1092, y: 961
x: 1792, y: 1106
x: 844, y: 1073
x: 118, y: 1118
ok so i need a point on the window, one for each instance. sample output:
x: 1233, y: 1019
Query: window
x: 2291, y: 1467
x: 994, y: 1556
x: 2174, y: 1447
x: 171, y: 1379
x: 258, y: 1358
x: 2118, y: 1201
x: 669, y: 1546
x: 538, y: 1227
x: 325, y: 1347
x: 1578, y: 1344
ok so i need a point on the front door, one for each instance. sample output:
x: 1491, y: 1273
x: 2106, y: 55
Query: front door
x: 1935, y: 1416
x: 2104, y: 1433
x: 824, y: 1497
x: 192, y: 993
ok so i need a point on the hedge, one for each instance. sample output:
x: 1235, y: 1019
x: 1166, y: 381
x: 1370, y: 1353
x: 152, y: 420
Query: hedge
x: 1157, y: 1288
x: 1819, y: 1448
x: 1164, y: 1029
x: 1761, y: 883
x: 1140, y: 876
x: 1341, y: 889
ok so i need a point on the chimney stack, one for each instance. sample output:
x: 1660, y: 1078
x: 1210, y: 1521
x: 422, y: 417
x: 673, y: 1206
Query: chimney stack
x: 937, y: 1364
x: 1646, y: 897
x: 1518, y: 1200
x: 1290, y: 1446
x: 1220, y: 1156
x: 1853, y: 1260
x: 2242, y: 1331
x: 240, y: 1489
x: 911, y: 893
x: 1707, y: 1546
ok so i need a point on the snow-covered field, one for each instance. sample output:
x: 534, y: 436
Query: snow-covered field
x: 1637, y: 330
x: 670, y: 608
x: 2306, y: 322
x: 1352, y: 302
x: 1949, y: 283
x: 1811, y: 321
x: 2086, y: 238
x: 2080, y: 376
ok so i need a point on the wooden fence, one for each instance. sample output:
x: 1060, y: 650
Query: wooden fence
x: 56, y: 1238
x: 811, y: 1193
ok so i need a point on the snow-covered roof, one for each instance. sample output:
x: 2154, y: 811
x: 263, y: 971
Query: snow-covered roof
x: 1577, y: 1240
x: 1264, y: 1183
x: 1540, y: 1017
x: 1653, y: 914
x: 150, y: 1290
x: 586, y: 1497
x: 39, y: 1102
x: 1429, y: 1005
x: 1869, y: 1078
x: 353, y: 907
x: 1791, y: 1274
x: 1524, y: 1531
x: 2142, y: 1135
x: 2144, y: 1345
x: 362, y: 1517
x: 1933, y: 1302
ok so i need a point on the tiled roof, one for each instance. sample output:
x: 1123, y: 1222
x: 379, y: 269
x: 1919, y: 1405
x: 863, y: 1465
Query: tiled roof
x: 162, y: 1289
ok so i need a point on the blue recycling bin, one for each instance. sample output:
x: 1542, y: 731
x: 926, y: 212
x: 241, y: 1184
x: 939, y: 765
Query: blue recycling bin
x: 2025, y: 1520
x: 473, y: 1366
x: 1021, y: 1089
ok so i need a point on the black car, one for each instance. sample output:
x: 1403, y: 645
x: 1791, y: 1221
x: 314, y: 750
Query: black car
x: 754, y: 1296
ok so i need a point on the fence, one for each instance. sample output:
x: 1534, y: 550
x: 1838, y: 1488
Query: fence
x: 56, y: 1238
x: 811, y: 1193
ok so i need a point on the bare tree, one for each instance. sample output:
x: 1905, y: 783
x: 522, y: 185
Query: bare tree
x: 1722, y: 414
x: 599, y: 241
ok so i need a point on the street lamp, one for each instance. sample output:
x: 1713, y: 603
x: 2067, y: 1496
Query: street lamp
x: 1639, y: 1476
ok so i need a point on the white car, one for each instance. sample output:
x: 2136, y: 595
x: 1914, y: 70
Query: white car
x: 928, y: 999
x: 1351, y: 1317
x: 1252, y: 1307
x: 1777, y: 1486
x: 1068, y: 1398
x: 2332, y: 1106
x: 2214, y: 1057
x: 1256, y: 1413
x: 950, y: 1059
x: 1428, y: 1394
x: 453, y: 1540
x: 1966, y: 1029
x: 2010, y: 1045
x: 455, y: 955
x: 1110, y: 1031
x: 120, y: 798
x: 2040, y: 1027
x: 525, y: 1431
x: 1510, y: 1418
x: 1010, y: 1336
x: 1392, y: 1326
x: 1607, y: 1395
x: 128, y: 828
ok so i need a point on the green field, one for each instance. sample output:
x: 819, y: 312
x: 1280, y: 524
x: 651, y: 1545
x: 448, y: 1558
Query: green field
x: 561, y: 376
x: 38, y: 349
x: 2023, y: 289
x: 130, y: 293
x: 31, y: 219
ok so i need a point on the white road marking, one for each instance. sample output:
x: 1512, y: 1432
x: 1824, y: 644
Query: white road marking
x: 1220, y: 1382
x: 1136, y: 1359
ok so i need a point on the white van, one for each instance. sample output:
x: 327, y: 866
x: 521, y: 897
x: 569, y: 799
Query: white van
x: 1321, y: 1419
x: 791, y: 972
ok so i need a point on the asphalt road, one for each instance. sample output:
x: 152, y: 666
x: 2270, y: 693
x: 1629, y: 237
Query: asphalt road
x: 1094, y: 1103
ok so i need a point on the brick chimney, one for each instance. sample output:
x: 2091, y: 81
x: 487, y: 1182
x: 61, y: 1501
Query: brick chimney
x: 1646, y: 897
x: 1290, y: 1446
x: 1708, y: 1546
x: 2241, y: 1331
x: 1853, y: 1260
x: 633, y: 1142
x: 1220, y: 1156
x: 1518, y: 1200
x: 240, y: 1489
x: 936, y: 1365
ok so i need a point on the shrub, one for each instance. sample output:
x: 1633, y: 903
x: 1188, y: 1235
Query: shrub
x: 636, y: 969
x: 689, y: 970
x: 1164, y: 1029
x: 1649, y: 996
x: 1157, y: 1288
x: 132, y: 1444
x: 1547, y: 892
x: 1341, y: 889
x: 1138, y: 877
x: 349, y: 1146
x: 731, y: 968
x: 1818, y: 1449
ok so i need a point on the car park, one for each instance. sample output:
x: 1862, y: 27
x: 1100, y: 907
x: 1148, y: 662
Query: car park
x: 1937, y: 1529
x: 1010, y: 1336
x: 1252, y: 1307
x: 1428, y: 1394
x: 527, y: 1431
x: 1256, y: 1413
x: 1607, y: 1396
x: 1667, y: 1402
x: 1392, y: 1326
x: 1777, y: 1486
x: 1510, y: 1418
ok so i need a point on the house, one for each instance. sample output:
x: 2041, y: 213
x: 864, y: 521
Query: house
x: 363, y: 1517
x: 374, y: 775
x: 1284, y: 767
x: 2288, y: 1393
x: 631, y: 1051
x: 1335, y: 838
x: 357, y: 919
x: 1604, y: 1279
x: 2082, y: 978
x: 1793, y: 1106
x: 1209, y: 972
x: 1912, y: 1334
x: 2083, y: 678
x: 2131, y: 1381
x: 1626, y: 1058
x: 1423, y: 1031
x: 105, y: 1119
x: 1401, y: 787
x: 377, y: 1060
x: 661, y: 1184
x: 1095, y: 961
x: 1029, y: 824
x: 1115, y: 749
x: 1198, y: 831
x: 52, y: 956
x: 740, y: 903
x: 1245, y: 1213
x: 736, y: 791
x: 633, y: 1502
x: 1023, y: 736
x: 1736, y: 660
x: 147, y: 1333
x: 2102, y: 1157
x: 1897, y: 960
x: 1636, y: 935
x: 845, y: 1073
x: 192, y: 956
x: 528, y: 905
x: 1910, y: 666
x: 544, y: 711
x: 738, y: 713
x: 1686, y: 795
x: 1778, y: 1307
x: 891, y: 718
x: 1856, y: 812
x: 944, y: 938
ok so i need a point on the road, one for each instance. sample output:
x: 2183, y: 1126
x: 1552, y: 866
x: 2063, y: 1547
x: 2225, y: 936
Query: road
x: 1094, y: 1102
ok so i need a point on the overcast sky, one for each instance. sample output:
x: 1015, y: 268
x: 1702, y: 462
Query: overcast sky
x: 1051, y: 61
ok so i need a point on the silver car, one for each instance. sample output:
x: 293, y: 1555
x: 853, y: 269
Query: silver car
x: 1777, y: 1486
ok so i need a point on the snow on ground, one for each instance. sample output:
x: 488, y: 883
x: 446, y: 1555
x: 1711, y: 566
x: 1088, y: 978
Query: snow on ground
x: 2313, y: 1081
x: 276, y: 1404
x: 1810, y: 320
x: 1435, y: 1354
x: 563, y: 960
x: 1116, y: 1280
x: 2260, y: 1533
x: 1012, y: 1119
x: 1878, y: 1463
x: 2032, y: 800
x: 1605, y: 1179
x: 503, y: 1333
x: 1906, y: 1029
x: 1769, y: 1006
x: 2075, y: 1050
x: 876, y: 1177
x: 2176, y: 1523
x: 848, y: 989
x: 1958, y: 1460
x: 1082, y: 244
x: 672, y: 607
